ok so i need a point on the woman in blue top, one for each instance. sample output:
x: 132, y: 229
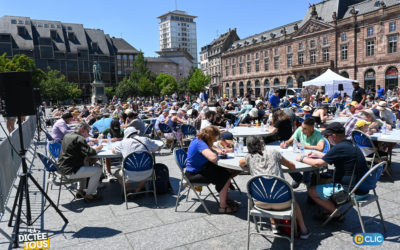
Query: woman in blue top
x: 201, y: 167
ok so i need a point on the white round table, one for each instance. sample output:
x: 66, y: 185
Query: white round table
x: 232, y: 162
x: 340, y: 119
x: 248, y: 131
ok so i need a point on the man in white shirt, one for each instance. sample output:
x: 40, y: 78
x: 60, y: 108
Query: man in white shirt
x: 209, y: 119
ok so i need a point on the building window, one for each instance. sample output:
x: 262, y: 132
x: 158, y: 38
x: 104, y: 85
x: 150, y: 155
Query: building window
x: 119, y: 72
x: 119, y: 57
x: 240, y: 59
x: 276, y: 51
x: 233, y: 70
x: 392, y: 46
x: 248, y: 67
x: 300, y: 46
x: 248, y: 57
x: 289, y: 49
x: 289, y: 61
x: 266, y: 54
x: 226, y: 71
x: 257, y: 66
x: 257, y: 55
x: 21, y: 30
x: 241, y: 68
x: 312, y: 44
x: 392, y: 27
x: 325, y: 41
x: 370, y: 47
x: 266, y: 64
x: 301, y: 58
x: 343, y: 52
x: 53, y: 34
x: 276, y: 63
x: 370, y: 31
x: 344, y: 37
x: 325, y: 54
x: 312, y: 57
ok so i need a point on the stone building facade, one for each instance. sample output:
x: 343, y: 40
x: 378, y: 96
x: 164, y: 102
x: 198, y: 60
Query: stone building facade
x: 359, y: 40
x: 210, y: 59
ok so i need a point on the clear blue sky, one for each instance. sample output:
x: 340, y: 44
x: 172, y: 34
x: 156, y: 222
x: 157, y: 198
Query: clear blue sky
x: 136, y: 20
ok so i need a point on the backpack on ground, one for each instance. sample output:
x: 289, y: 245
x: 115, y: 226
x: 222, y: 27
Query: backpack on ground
x: 162, y: 184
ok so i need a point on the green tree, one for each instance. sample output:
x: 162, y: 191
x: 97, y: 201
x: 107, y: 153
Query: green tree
x: 165, y: 84
x: 146, y: 87
x: 110, y: 92
x: 56, y: 87
x: 198, y: 81
x: 22, y: 62
x: 139, y: 68
x: 125, y: 88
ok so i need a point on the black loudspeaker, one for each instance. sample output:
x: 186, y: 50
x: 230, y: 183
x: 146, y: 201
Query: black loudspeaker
x: 340, y: 87
x: 16, y: 93
x: 37, y: 98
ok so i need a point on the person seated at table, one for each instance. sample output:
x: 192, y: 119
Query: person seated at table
x: 225, y: 143
x: 306, y: 112
x: 161, y: 119
x: 133, y: 120
x: 61, y: 128
x: 269, y: 161
x: 281, y: 129
x: 116, y: 135
x: 73, y: 162
x: 250, y: 118
x: 344, y: 156
x: 349, y: 110
x: 230, y: 107
x: 209, y: 119
x: 321, y: 115
x: 385, y: 113
x: 102, y: 123
x: 133, y: 142
x: 75, y: 116
x: 174, y: 122
x: 201, y: 167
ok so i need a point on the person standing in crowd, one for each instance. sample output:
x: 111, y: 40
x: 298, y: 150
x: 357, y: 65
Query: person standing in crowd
x: 73, y: 162
x: 345, y: 157
x: 274, y: 99
x: 380, y: 92
x: 61, y: 128
x: 359, y: 94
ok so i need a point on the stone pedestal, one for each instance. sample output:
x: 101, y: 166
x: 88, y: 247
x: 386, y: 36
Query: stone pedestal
x: 98, y: 92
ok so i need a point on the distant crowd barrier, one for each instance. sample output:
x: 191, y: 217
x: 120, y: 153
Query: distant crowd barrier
x: 10, y: 162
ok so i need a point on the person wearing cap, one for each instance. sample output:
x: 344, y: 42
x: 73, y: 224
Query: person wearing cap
x: 385, y: 113
x: 75, y: 116
x: 359, y: 94
x: 61, y: 128
x: 344, y: 156
x: 72, y: 161
x: 274, y: 99
x: 363, y: 126
x: 350, y: 109
x: 321, y: 115
x: 225, y: 143
x: 133, y: 142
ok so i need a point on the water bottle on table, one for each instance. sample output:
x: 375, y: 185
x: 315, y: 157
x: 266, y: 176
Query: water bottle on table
x: 302, y: 148
x: 236, y: 148
x: 295, y: 146
x: 228, y: 125
x: 240, y: 145
x: 109, y: 141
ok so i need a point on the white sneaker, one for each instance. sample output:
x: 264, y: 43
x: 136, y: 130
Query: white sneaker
x: 274, y: 229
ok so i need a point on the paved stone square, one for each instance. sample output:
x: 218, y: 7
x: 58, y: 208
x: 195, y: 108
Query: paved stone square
x: 109, y: 225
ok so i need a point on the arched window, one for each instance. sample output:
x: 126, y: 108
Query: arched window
x: 344, y: 74
x: 300, y: 81
x: 241, y: 89
x: 276, y: 82
x: 234, y: 89
x: 391, y: 78
x: 227, y: 90
x: 369, y: 79
x: 289, y: 82
x: 248, y: 86
x: 258, y: 90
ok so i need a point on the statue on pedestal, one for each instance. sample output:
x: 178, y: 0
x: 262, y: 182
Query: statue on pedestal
x: 96, y: 71
x: 98, y: 93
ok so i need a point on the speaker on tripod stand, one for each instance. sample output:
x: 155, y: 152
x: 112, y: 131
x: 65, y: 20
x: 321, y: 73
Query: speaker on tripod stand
x: 16, y: 95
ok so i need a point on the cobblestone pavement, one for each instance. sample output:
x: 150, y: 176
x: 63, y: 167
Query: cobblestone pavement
x: 109, y: 225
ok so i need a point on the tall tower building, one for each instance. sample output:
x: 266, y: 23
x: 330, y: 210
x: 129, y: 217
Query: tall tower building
x: 178, y: 31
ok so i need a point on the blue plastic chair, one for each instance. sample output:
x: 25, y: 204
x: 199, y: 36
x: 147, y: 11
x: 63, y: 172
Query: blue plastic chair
x: 48, y: 136
x: 165, y: 129
x: 270, y: 189
x: 367, y: 182
x: 149, y: 130
x: 327, y: 146
x: 54, y: 149
x: 51, y: 167
x: 237, y: 121
x: 180, y: 159
x: 364, y: 142
x: 136, y: 167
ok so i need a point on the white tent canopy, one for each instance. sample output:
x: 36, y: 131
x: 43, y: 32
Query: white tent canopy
x: 330, y: 80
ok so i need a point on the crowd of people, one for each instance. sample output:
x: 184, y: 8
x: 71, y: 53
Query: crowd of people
x: 290, y: 120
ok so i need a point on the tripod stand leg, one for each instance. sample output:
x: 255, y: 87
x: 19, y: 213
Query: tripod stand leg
x: 47, y: 198
x: 18, y: 219
x: 28, y: 203
x: 19, y: 190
